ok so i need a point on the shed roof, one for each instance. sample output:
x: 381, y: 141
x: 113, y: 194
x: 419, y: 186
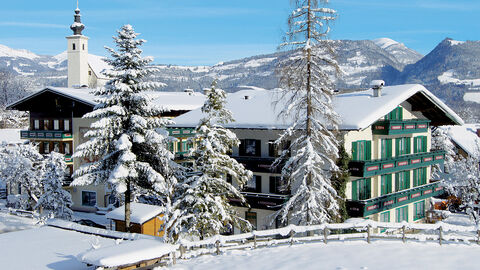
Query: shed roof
x: 140, y: 213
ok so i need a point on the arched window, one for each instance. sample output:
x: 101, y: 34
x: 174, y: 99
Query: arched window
x: 73, y: 46
x: 83, y: 47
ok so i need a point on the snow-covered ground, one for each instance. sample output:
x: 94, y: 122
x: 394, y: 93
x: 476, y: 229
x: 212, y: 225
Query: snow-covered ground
x: 11, y: 223
x: 347, y: 255
x: 99, y: 219
x: 46, y: 248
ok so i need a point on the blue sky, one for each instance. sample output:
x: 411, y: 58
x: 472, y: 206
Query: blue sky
x: 204, y: 32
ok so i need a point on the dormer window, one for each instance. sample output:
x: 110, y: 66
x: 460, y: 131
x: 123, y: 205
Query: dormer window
x: 73, y: 46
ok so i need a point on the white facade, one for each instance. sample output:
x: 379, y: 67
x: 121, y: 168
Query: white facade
x: 78, y: 69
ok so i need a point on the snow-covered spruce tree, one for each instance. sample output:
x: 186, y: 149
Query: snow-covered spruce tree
x: 55, y: 201
x: 22, y: 166
x: 129, y: 153
x: 305, y: 78
x: 464, y: 183
x: 203, y: 209
x: 441, y: 141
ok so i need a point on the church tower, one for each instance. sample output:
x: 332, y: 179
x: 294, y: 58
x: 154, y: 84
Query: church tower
x: 77, y: 54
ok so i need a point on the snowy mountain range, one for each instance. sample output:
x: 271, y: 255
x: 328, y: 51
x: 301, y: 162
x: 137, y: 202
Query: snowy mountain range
x: 450, y: 70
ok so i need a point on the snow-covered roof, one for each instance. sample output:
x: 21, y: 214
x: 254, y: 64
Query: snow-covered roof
x: 98, y: 65
x: 140, y: 213
x: 127, y: 253
x: 174, y: 101
x: 255, y: 108
x: 466, y: 137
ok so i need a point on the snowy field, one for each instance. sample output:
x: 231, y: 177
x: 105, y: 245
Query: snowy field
x: 46, y: 248
x: 11, y: 223
x: 344, y: 255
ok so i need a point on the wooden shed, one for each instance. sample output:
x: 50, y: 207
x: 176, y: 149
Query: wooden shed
x: 144, y: 219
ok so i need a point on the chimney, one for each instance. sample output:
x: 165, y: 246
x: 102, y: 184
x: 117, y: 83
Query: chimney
x: 377, y: 86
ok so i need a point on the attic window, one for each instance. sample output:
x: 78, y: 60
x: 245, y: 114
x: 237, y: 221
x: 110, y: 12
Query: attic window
x: 89, y: 73
x: 73, y: 46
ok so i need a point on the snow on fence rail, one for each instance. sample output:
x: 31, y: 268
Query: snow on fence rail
x: 292, y: 234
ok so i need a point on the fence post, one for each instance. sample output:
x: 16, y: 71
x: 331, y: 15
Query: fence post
x: 403, y: 234
x: 255, y: 241
x: 182, y: 251
x: 292, y: 233
x: 174, y: 258
x: 368, y: 233
x: 217, y: 244
x: 478, y: 237
x: 440, y: 229
x: 325, y: 235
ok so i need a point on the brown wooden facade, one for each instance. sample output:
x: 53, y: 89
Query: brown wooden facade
x: 153, y: 226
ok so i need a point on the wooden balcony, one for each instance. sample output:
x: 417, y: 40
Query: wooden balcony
x: 46, y: 134
x: 392, y: 127
x: 370, y: 168
x: 363, y: 208
x: 266, y: 201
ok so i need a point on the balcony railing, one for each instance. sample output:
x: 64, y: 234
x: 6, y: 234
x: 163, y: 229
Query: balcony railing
x: 45, y: 134
x: 263, y: 200
x: 365, y: 208
x: 68, y: 159
x: 391, y: 127
x: 181, y: 132
x: 383, y: 166
x: 259, y: 164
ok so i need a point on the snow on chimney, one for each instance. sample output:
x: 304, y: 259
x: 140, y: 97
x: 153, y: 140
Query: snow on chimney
x: 377, y: 86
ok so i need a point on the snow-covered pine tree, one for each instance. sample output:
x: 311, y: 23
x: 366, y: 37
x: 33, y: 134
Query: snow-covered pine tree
x: 130, y: 154
x: 55, y: 200
x: 441, y: 141
x: 203, y: 209
x: 22, y: 166
x: 464, y: 183
x: 305, y: 78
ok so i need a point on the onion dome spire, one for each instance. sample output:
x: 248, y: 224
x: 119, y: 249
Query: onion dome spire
x: 77, y: 26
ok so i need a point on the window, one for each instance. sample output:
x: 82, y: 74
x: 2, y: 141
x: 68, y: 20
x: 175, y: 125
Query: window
x: 73, y: 46
x: 83, y: 47
x: 89, y: 73
x: 56, y: 147
x: 419, y: 177
x: 66, y: 125
x: 402, y: 146
x: 66, y: 148
x: 250, y: 147
x: 254, y: 184
x: 56, y: 124
x: 386, y: 184
x: 402, y: 180
x: 361, y: 189
x: 46, y: 124
x: 386, y: 148
x: 385, y: 216
x: 89, y: 198
x: 46, y: 147
x: 36, y: 124
x: 396, y: 114
x: 279, y: 223
x: 420, y: 144
x: 19, y: 188
x: 252, y: 218
x: 275, y: 150
x: 402, y: 214
x: 276, y: 185
x: 419, y: 210
x: 362, y: 150
x: 229, y: 179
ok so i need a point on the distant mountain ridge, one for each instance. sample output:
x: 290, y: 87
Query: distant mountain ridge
x: 449, y: 71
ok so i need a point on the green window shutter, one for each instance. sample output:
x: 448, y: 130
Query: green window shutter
x: 389, y: 148
x: 354, y: 150
x: 354, y: 190
x: 424, y: 143
x: 407, y: 179
x: 415, y: 145
x: 408, y: 145
x: 368, y: 150
x: 400, y: 110
x: 389, y: 183
x: 397, y: 147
